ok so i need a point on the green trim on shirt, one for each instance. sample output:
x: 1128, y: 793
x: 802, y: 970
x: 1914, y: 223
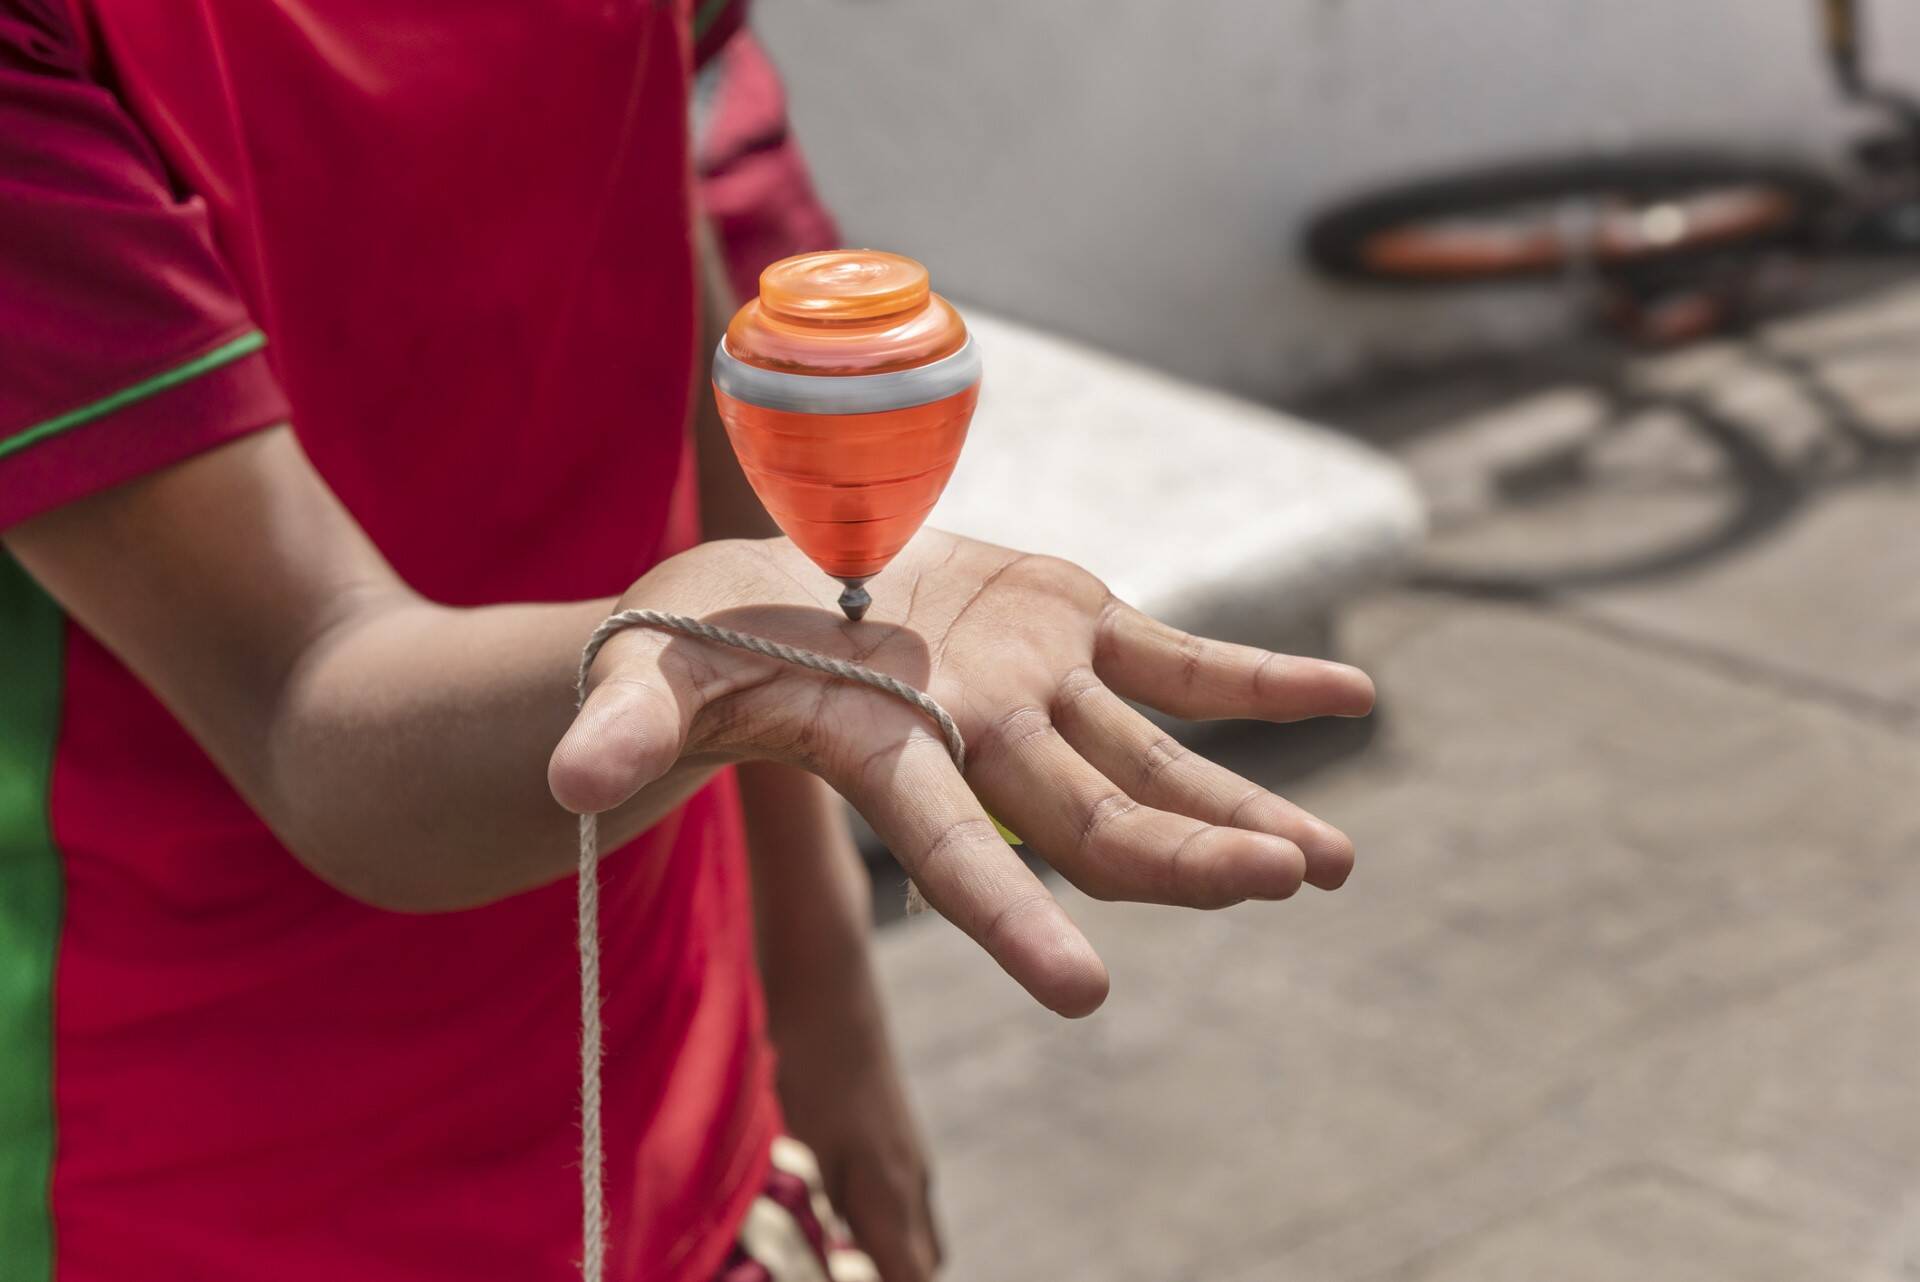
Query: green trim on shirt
x: 225, y: 354
x: 32, y: 888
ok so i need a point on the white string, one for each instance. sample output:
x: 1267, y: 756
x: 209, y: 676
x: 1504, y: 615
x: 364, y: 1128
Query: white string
x: 593, y: 1180
x: 593, y: 1148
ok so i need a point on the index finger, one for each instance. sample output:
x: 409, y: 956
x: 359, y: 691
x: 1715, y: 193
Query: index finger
x: 920, y: 806
x: 1199, y: 679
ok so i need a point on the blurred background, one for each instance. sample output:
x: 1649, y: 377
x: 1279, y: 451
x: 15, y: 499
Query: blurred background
x: 1123, y: 170
x: 1557, y: 363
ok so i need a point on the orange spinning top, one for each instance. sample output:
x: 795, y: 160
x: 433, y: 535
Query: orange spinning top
x: 846, y: 388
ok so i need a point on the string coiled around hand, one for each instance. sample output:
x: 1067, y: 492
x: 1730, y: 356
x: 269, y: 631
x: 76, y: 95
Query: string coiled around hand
x: 593, y: 1196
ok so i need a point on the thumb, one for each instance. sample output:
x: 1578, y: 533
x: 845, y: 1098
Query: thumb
x: 629, y: 732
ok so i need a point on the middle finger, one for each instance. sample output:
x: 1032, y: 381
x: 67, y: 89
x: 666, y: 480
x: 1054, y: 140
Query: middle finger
x: 1106, y: 842
x: 1156, y: 768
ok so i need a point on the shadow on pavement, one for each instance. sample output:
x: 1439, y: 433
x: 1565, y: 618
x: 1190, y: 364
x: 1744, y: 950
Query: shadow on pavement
x: 1669, y: 468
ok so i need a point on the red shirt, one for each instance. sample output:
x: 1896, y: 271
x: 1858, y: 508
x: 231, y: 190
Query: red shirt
x: 452, y: 244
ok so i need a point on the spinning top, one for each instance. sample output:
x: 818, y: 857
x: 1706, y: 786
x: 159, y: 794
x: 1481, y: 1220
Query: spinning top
x: 846, y: 388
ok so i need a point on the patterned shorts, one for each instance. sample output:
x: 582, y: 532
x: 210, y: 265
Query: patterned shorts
x: 792, y: 1233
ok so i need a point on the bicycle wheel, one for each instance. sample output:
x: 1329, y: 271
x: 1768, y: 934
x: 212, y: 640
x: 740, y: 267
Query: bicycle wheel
x: 1617, y: 215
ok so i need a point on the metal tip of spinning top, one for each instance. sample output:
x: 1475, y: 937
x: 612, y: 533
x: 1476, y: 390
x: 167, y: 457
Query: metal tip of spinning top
x: 854, y: 601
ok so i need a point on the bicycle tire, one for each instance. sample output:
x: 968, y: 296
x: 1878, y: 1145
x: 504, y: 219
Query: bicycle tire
x: 1344, y: 241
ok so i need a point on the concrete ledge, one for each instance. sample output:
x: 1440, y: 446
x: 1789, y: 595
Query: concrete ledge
x: 1215, y: 514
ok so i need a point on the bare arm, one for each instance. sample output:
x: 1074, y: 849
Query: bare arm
x: 397, y: 747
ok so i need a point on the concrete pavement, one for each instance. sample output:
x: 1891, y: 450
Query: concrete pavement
x: 1627, y: 985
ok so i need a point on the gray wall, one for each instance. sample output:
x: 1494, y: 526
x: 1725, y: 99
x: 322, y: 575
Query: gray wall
x: 1133, y: 171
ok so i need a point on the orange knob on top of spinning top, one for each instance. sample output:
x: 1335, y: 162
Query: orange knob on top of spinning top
x: 846, y: 388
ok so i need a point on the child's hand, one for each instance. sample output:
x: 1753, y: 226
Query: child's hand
x: 1034, y: 659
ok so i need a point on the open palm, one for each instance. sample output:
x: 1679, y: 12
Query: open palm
x: 1035, y: 660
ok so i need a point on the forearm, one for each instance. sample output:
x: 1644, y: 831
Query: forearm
x: 399, y: 748
x: 407, y: 755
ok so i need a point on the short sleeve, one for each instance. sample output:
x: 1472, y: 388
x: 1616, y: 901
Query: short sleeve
x: 123, y: 344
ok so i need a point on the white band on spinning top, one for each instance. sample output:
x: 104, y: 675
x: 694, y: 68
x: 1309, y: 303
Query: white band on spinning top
x: 846, y: 393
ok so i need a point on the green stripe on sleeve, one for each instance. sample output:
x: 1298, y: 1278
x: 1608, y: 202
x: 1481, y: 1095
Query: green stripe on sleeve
x: 225, y: 354
x: 30, y: 905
